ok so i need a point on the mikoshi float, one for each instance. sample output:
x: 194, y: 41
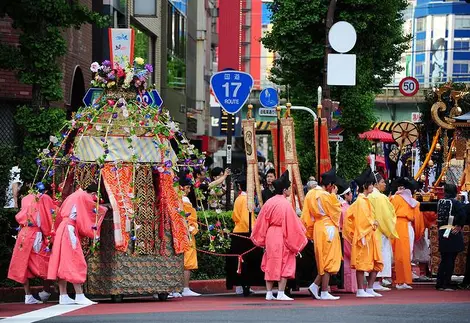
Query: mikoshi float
x: 132, y: 150
x: 449, y: 154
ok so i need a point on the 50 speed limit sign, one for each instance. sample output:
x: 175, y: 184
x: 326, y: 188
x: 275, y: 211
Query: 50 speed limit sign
x: 409, y: 86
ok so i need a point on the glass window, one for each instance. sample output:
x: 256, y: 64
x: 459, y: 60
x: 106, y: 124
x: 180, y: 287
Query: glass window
x: 460, y: 45
x: 419, y: 68
x: 145, y: 7
x: 176, y: 47
x: 460, y: 68
x: 141, y: 44
x: 420, y: 45
x: 421, y: 24
x: 462, y: 22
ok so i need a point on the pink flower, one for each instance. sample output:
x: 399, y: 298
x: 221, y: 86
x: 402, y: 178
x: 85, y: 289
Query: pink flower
x: 94, y: 67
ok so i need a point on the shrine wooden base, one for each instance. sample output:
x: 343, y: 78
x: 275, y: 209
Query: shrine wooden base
x: 460, y: 262
x: 112, y: 273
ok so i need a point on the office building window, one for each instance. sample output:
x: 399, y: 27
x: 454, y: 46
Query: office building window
x: 144, y: 46
x: 462, y: 44
x: 462, y: 22
x: 421, y: 24
x: 176, y: 48
x: 420, y: 45
x: 145, y: 7
x: 461, y: 68
x: 419, y: 68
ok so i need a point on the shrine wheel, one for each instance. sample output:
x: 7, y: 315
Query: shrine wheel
x: 394, y: 155
x: 117, y: 298
x: 405, y: 133
x: 162, y: 296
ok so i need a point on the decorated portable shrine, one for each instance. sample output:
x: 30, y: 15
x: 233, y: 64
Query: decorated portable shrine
x: 449, y: 156
x: 130, y: 149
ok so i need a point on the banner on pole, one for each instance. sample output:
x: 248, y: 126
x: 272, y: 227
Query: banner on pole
x: 121, y: 46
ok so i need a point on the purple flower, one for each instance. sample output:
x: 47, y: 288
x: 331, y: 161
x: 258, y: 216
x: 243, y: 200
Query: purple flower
x: 133, y: 238
x: 149, y: 68
x: 47, y: 249
x: 111, y: 76
x: 106, y: 151
x: 211, y: 227
x: 38, y: 161
x: 51, y: 173
x: 74, y: 158
x: 18, y: 228
x: 52, y: 211
x: 43, y: 168
x: 81, y: 165
x: 188, y: 214
x: 115, y: 115
x: 168, y: 163
x: 114, y: 169
x: 106, y: 63
x: 78, y: 116
x: 148, y: 116
x: 175, y: 179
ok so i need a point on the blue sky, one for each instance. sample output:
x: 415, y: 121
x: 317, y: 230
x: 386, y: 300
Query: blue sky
x: 265, y: 14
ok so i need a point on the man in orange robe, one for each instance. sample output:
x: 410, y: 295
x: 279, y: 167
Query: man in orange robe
x: 359, y: 229
x: 78, y: 217
x: 190, y: 256
x: 408, y: 213
x: 322, y: 210
x: 280, y: 232
x: 30, y: 256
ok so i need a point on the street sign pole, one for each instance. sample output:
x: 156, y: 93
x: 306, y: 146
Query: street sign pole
x: 228, y: 163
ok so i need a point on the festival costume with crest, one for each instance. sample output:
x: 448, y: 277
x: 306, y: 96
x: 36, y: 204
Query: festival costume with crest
x: 280, y: 232
x: 30, y: 258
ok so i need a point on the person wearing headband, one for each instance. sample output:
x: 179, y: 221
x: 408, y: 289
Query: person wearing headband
x: 384, y: 213
x: 31, y: 253
x: 78, y: 217
x: 450, y: 221
x: 410, y: 228
x: 345, y: 197
x: 321, y: 215
x: 359, y: 230
x: 279, y: 231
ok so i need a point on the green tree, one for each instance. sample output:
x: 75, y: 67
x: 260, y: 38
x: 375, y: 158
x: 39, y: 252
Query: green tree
x: 42, y: 24
x: 298, y: 36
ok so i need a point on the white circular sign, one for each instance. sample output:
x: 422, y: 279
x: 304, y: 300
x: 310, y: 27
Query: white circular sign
x: 409, y: 86
x: 342, y: 37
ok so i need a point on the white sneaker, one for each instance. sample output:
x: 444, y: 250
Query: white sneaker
x: 377, y: 286
x: 270, y: 296
x: 313, y: 289
x: 371, y: 291
x: 281, y: 296
x: 362, y: 294
x: 44, y: 296
x: 80, y: 299
x: 189, y: 293
x: 326, y: 296
x: 239, y: 290
x: 66, y: 300
x: 30, y: 300
x: 386, y: 282
x: 403, y: 286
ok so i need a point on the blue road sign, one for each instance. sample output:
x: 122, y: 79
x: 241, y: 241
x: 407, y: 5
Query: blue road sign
x: 269, y: 98
x: 157, y: 99
x: 146, y: 97
x: 232, y: 89
x: 91, y: 96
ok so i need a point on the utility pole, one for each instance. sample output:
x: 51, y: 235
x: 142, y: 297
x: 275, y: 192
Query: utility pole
x: 329, y: 23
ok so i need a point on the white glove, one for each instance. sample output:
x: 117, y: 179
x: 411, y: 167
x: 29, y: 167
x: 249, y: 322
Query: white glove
x: 73, y: 237
x: 330, y: 230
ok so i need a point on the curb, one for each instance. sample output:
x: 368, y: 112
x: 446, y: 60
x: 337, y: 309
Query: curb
x: 16, y: 294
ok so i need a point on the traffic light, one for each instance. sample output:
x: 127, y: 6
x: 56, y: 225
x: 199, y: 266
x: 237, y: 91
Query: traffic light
x: 224, y: 122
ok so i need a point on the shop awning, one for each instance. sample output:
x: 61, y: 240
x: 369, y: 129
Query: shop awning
x: 384, y: 125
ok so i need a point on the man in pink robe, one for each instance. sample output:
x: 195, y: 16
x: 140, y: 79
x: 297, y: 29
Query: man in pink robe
x: 281, y: 233
x: 78, y: 218
x: 30, y: 256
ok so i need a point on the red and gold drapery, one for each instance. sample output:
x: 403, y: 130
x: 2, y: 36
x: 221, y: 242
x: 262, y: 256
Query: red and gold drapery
x: 325, y: 159
x: 252, y: 174
x: 288, y: 154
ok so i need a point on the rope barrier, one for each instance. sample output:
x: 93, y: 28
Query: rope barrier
x: 240, y: 256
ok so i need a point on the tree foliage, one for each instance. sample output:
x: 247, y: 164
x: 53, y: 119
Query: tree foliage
x: 41, y: 24
x: 298, y: 36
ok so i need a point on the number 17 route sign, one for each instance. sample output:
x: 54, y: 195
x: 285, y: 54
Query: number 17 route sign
x: 232, y: 89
